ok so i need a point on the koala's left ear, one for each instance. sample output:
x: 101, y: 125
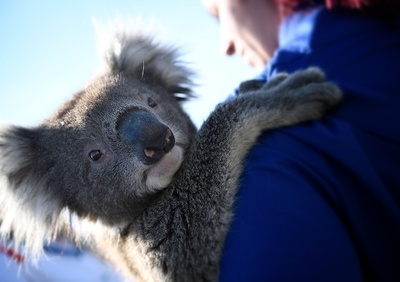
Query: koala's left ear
x: 139, y: 55
x: 28, y: 209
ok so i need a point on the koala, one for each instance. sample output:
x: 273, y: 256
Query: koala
x: 121, y: 169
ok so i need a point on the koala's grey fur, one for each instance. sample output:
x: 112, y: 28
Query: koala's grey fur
x: 121, y: 168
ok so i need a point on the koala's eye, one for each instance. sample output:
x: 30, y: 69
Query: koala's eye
x: 151, y: 102
x: 95, y: 155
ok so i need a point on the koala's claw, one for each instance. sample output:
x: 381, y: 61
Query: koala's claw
x: 250, y: 85
x: 302, y: 78
x: 276, y: 80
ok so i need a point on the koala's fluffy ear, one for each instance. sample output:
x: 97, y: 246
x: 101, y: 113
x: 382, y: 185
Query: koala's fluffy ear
x: 28, y: 210
x: 141, y: 56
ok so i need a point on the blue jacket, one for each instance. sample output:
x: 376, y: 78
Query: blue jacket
x: 321, y: 201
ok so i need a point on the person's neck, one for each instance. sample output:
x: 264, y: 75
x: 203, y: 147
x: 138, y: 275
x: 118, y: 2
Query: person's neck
x: 297, y: 27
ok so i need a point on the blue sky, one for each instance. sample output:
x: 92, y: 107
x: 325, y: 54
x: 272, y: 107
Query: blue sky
x: 48, y: 51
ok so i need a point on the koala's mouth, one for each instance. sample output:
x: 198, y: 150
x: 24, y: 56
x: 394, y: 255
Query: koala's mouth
x: 161, y: 173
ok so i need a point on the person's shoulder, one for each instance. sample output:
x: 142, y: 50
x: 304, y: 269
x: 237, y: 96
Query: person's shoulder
x: 309, y: 143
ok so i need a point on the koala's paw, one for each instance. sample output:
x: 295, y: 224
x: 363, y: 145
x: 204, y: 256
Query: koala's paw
x: 307, y: 94
x: 297, y: 79
x: 301, y: 96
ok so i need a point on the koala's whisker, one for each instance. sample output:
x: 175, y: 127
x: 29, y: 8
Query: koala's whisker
x: 142, y: 78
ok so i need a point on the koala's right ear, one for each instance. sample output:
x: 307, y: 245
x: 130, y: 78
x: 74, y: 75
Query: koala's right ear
x: 28, y: 209
x: 140, y: 55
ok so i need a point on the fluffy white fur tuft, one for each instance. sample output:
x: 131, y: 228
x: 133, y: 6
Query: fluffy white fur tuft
x: 27, y: 217
x: 135, y: 51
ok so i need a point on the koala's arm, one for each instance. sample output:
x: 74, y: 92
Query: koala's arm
x: 196, y: 210
x: 233, y: 128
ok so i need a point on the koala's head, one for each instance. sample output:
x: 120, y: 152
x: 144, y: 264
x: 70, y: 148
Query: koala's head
x: 112, y: 146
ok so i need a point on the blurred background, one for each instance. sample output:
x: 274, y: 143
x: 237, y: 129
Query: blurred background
x: 48, y: 51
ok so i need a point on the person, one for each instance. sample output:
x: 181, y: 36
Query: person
x: 320, y: 201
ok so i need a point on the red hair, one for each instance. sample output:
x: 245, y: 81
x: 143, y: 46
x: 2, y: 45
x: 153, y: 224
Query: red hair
x: 383, y: 7
x: 357, y: 4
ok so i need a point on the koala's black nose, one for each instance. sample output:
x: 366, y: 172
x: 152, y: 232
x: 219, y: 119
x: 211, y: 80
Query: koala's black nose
x: 150, y: 139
